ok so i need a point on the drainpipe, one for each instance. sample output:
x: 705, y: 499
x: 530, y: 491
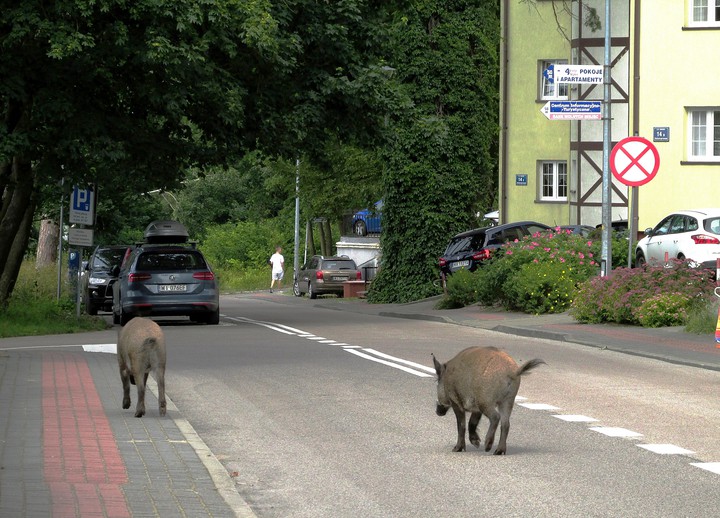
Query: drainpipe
x: 504, y: 116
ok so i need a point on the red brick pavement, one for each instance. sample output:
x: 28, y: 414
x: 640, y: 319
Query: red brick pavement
x: 83, y: 466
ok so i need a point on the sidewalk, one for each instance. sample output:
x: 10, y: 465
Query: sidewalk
x: 671, y: 344
x: 68, y: 449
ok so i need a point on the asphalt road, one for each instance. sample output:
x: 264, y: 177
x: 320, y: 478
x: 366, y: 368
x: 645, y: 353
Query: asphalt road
x: 317, y: 413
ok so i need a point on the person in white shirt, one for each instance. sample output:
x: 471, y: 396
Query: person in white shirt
x: 278, y: 268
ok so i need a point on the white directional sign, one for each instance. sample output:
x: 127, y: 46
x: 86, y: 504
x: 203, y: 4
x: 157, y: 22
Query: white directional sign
x: 572, y: 110
x: 585, y: 74
x: 82, y: 206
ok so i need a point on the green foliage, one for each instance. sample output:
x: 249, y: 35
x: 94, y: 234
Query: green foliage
x: 246, y: 244
x: 440, y: 163
x: 539, y: 273
x: 33, y: 310
x: 620, y: 297
x: 542, y: 288
x: 234, y: 279
x: 664, y: 309
x: 703, y: 317
x: 462, y: 290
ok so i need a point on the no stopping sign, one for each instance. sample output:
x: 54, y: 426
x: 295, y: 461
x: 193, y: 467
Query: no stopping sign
x: 634, y: 161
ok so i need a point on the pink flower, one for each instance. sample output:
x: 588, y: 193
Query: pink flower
x: 581, y: 255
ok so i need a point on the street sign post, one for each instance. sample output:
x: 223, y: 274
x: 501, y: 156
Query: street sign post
x: 634, y: 161
x: 572, y: 110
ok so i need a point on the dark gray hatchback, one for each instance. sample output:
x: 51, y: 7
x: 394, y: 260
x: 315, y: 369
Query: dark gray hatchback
x: 166, y: 280
x: 470, y: 249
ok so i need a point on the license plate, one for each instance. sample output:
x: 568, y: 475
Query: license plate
x: 461, y: 264
x: 339, y: 278
x: 172, y: 287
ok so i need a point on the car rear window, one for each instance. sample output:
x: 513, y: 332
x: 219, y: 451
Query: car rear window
x: 465, y: 244
x: 171, y: 261
x: 338, y: 265
x: 713, y: 225
x: 108, y: 258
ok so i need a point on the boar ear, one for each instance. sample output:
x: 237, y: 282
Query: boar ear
x: 439, y: 368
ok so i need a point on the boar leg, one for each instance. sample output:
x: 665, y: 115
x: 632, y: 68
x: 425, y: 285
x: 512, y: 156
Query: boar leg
x: 494, y: 417
x: 472, y: 428
x: 125, y: 377
x: 460, y: 416
x: 160, y: 378
x: 140, y: 407
x: 505, y: 411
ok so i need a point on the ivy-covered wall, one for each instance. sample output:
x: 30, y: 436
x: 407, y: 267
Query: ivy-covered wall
x: 441, y: 160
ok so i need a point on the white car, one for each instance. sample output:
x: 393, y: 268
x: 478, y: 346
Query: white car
x: 686, y: 234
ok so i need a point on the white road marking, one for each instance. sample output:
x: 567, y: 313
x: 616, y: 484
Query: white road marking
x: 611, y: 431
x: 400, y: 360
x: 666, y: 449
x: 538, y: 406
x: 389, y: 364
x: 709, y: 466
x: 100, y: 348
x: 576, y: 418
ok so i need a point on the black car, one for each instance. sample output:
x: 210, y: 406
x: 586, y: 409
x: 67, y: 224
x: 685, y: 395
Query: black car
x: 166, y: 276
x: 468, y: 250
x: 99, y: 277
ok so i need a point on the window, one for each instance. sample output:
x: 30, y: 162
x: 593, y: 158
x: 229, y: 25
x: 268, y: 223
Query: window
x: 553, y: 181
x: 548, y: 88
x: 705, y: 12
x: 704, y: 134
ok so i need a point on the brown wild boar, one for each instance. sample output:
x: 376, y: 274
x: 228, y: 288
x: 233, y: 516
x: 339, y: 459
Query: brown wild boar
x: 480, y: 380
x: 141, y: 349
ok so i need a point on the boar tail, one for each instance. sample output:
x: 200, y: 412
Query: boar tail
x: 527, y: 366
x: 150, y: 341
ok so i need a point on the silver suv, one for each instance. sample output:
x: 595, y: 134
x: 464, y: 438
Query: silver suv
x: 166, y: 280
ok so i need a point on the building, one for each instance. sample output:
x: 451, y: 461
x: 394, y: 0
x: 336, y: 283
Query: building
x: 663, y: 89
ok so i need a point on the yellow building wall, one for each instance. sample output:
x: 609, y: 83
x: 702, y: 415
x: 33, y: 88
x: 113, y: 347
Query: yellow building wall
x: 530, y: 135
x: 679, y: 68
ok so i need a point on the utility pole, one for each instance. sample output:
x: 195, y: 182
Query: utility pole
x: 606, y: 253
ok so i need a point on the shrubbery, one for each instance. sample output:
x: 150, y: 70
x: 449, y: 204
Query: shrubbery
x: 649, y: 296
x: 537, y: 274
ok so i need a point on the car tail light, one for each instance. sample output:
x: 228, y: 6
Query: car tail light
x: 138, y: 277
x: 442, y: 262
x: 358, y: 275
x: 482, y: 255
x: 319, y: 275
x: 704, y: 239
x: 204, y: 276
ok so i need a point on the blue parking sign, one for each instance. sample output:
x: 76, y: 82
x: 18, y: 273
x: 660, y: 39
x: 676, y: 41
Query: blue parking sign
x: 82, y: 205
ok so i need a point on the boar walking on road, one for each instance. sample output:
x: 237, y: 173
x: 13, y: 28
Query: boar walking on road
x: 480, y: 380
x: 141, y: 349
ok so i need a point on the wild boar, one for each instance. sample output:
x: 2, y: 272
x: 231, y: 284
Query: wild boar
x: 141, y: 349
x: 480, y: 380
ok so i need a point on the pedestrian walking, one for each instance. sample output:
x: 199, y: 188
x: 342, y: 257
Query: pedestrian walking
x: 277, y: 261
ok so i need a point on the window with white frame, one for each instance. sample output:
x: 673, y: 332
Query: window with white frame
x: 704, y: 134
x: 705, y: 12
x: 550, y: 89
x: 553, y: 180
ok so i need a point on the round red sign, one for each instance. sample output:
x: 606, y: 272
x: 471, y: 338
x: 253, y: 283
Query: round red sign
x: 634, y: 161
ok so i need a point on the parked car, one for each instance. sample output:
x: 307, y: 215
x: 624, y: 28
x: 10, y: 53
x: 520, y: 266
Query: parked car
x: 583, y: 230
x: 322, y: 275
x: 468, y: 250
x: 368, y: 221
x: 687, y: 234
x: 100, y: 273
x: 162, y: 278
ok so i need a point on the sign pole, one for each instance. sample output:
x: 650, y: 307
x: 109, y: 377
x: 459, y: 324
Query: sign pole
x: 606, y: 251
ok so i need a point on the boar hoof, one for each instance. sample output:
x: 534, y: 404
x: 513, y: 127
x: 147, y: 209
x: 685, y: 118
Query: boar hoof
x: 475, y: 441
x: 499, y: 452
x: 126, y: 403
x: 459, y: 448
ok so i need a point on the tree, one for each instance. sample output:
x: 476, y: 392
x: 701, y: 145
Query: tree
x: 130, y: 94
x: 441, y: 159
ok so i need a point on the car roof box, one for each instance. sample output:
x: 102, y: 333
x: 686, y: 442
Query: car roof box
x: 162, y: 232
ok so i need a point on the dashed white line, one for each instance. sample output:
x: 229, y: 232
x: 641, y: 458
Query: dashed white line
x: 357, y: 352
x: 666, y: 449
x: 709, y: 466
x: 576, y: 418
x: 538, y: 406
x: 612, y: 431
